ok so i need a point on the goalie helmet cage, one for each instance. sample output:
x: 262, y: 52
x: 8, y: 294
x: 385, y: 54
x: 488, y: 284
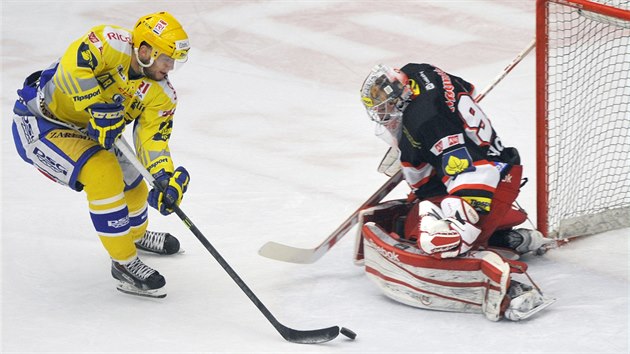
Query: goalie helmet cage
x: 583, y: 116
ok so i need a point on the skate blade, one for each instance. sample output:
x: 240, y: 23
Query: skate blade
x: 519, y: 316
x: 132, y: 290
x: 181, y: 251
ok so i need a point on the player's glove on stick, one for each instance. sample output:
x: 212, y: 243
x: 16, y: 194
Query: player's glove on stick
x: 173, y: 188
x: 107, y: 123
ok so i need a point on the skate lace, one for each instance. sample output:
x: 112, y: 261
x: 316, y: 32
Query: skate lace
x: 153, y: 240
x: 139, y: 269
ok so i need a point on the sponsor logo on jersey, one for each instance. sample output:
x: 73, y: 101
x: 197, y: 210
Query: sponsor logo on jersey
x: 167, y: 113
x: 173, y: 93
x: 156, y: 163
x: 159, y: 27
x: 85, y: 58
x: 480, y: 204
x: 50, y: 162
x: 428, y: 85
x: 457, y: 161
x: 137, y: 105
x: 414, y: 87
x: 86, y: 97
x: 412, y: 141
x: 142, y: 89
x: 447, y: 142
x: 117, y: 224
x: 105, y: 80
x: 449, y: 89
x: 121, y: 72
x: 118, y: 36
x: 96, y: 41
x: 164, y: 131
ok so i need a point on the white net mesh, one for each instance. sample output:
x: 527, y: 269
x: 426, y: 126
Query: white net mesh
x: 588, y: 105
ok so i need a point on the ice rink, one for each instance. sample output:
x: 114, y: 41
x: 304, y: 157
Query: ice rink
x: 272, y: 130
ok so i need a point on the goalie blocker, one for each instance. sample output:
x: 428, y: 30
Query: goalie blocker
x: 479, y: 281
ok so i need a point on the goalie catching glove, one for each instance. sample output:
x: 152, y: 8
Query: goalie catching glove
x: 107, y: 123
x: 171, y: 191
x: 448, y: 231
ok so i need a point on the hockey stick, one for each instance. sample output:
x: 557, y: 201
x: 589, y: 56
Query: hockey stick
x: 292, y: 254
x: 292, y: 335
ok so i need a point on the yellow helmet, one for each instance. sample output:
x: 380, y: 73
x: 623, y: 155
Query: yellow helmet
x: 164, y: 34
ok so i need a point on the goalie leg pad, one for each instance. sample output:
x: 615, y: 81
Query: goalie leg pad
x: 498, y: 275
x: 384, y: 214
x: 475, y: 283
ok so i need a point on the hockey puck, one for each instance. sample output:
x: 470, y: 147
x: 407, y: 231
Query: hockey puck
x: 348, y: 333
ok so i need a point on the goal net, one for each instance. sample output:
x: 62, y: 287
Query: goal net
x: 583, y: 116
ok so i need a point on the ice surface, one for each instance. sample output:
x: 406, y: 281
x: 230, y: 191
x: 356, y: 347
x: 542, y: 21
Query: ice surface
x: 271, y: 128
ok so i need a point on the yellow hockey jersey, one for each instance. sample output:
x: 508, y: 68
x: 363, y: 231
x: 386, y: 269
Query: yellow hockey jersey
x: 94, y: 69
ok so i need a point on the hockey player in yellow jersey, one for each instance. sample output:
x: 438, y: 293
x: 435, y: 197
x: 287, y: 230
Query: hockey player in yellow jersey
x: 68, y: 116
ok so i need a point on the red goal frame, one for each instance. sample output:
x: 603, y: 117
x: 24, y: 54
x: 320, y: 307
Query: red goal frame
x: 542, y: 192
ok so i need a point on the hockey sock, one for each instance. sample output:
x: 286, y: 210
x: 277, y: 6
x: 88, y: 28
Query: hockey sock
x: 138, y: 210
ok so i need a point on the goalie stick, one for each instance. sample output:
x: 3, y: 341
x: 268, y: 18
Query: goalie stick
x: 291, y: 254
x: 286, y: 253
x: 292, y: 335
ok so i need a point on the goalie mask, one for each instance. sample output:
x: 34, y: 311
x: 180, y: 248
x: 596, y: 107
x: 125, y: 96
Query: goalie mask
x: 385, y: 94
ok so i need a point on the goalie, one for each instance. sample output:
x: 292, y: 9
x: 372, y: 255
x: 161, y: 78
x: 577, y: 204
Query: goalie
x: 437, y: 249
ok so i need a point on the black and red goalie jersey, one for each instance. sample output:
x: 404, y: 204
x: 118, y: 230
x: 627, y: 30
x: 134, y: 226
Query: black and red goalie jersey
x: 448, y: 145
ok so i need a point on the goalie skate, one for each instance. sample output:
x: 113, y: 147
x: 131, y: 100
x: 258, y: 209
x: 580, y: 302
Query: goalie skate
x: 525, y: 302
x: 518, y: 315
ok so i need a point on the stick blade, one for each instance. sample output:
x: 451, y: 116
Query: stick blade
x: 280, y: 252
x: 315, y: 336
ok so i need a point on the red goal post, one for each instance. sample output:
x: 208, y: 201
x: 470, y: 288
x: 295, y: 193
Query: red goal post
x: 583, y: 116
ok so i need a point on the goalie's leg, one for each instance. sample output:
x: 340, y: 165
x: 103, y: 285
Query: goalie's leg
x: 520, y: 240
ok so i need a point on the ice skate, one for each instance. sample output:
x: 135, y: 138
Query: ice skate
x: 159, y: 243
x: 525, y: 302
x: 522, y: 241
x: 136, y: 278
